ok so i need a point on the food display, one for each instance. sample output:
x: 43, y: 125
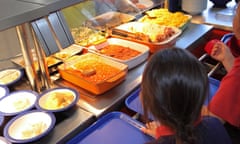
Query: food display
x: 153, y: 35
x: 104, y: 73
x: 29, y: 126
x: 163, y: 17
x: 57, y: 99
x: 124, y: 51
x: 85, y: 36
x: 10, y: 76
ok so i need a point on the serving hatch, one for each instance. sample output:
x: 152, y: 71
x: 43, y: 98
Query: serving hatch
x: 109, y: 20
x: 153, y: 35
x: 93, y: 73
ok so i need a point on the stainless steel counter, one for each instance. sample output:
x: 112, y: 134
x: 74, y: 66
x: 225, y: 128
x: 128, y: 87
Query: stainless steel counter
x: 111, y: 100
x: 15, y: 12
x: 218, y: 17
x: 191, y: 35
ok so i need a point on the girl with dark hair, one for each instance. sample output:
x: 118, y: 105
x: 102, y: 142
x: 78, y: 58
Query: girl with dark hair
x: 174, y: 87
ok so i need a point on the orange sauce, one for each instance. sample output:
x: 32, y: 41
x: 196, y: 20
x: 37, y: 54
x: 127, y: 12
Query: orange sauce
x: 119, y: 52
x: 103, y: 71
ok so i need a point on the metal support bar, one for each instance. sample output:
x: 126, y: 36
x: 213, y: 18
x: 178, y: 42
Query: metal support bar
x: 24, y: 40
x: 38, y: 77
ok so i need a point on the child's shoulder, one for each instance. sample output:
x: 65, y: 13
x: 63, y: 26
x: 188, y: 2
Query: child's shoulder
x: 211, y: 130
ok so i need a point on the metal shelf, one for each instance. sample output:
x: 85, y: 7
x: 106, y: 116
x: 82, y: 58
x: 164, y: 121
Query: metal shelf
x: 16, y: 12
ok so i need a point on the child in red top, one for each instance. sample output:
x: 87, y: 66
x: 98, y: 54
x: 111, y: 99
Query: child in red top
x: 225, y: 104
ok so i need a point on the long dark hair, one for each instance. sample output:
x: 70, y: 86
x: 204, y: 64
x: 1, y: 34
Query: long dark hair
x: 174, y: 87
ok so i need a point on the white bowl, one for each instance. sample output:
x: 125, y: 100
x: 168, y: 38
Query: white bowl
x: 3, y: 91
x: 29, y: 126
x: 17, y: 102
x: 10, y: 76
x: 57, y: 99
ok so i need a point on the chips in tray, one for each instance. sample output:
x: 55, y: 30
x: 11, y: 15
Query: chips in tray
x: 164, y: 17
x: 107, y: 73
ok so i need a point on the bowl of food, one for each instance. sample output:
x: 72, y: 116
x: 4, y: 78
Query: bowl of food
x: 17, y: 102
x: 29, y: 126
x: 57, y: 99
x: 10, y: 76
x: 3, y: 91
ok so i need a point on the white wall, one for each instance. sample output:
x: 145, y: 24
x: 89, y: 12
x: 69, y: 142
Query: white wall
x: 9, y: 47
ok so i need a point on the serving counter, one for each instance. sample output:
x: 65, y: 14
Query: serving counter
x: 90, y: 107
x: 112, y: 99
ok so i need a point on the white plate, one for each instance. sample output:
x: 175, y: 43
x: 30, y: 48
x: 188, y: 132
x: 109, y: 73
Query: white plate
x: 10, y: 76
x: 3, y: 91
x: 29, y: 126
x: 57, y: 99
x: 17, y: 102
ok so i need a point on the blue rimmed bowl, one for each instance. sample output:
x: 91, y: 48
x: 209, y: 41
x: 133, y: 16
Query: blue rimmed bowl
x: 4, y: 90
x: 10, y: 76
x: 57, y: 99
x: 17, y: 102
x: 29, y: 126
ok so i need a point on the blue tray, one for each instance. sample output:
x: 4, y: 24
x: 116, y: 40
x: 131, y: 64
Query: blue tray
x: 113, y: 128
x: 133, y: 101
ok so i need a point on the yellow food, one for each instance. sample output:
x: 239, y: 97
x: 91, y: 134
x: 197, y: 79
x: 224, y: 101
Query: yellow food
x: 8, y: 76
x: 164, y: 17
x: 85, y: 36
x: 154, y: 32
x: 119, y: 52
x: 21, y: 104
x: 103, y: 71
x: 56, y: 100
x: 34, y: 130
x: 62, y: 55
